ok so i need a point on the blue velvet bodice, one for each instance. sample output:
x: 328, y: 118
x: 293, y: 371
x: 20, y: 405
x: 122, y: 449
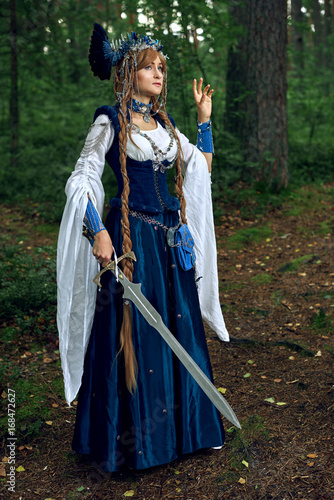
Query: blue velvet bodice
x: 148, y: 188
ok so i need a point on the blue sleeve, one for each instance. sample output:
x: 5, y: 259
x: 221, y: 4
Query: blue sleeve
x: 92, y: 219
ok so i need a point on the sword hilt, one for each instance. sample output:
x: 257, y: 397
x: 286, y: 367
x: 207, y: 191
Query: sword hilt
x: 112, y: 266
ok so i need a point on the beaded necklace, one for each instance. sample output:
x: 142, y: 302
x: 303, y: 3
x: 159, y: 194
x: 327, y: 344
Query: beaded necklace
x: 160, y: 155
x: 142, y: 108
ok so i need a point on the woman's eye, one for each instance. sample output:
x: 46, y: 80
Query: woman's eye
x: 161, y: 69
x: 148, y: 67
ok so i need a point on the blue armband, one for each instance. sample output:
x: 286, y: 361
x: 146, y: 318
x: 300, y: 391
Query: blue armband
x: 92, y: 220
x: 204, y: 137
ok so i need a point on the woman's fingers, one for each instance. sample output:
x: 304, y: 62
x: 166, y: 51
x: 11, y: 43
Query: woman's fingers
x: 103, y: 248
x: 194, y: 87
x: 200, y: 83
x: 197, y: 89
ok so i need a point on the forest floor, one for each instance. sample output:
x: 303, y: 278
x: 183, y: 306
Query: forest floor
x: 277, y: 293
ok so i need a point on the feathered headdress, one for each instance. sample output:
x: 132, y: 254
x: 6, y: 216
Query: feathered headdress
x: 104, y: 54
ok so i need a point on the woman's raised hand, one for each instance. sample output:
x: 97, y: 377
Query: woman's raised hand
x: 203, y: 100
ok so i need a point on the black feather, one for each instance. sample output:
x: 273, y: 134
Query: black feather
x: 100, y: 66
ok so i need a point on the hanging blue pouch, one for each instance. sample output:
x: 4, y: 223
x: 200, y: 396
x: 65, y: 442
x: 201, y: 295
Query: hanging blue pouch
x: 184, y: 244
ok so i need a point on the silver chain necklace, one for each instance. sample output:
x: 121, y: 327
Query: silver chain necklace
x: 160, y: 155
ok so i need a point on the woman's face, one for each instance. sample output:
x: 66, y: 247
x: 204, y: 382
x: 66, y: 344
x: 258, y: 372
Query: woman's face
x: 149, y: 80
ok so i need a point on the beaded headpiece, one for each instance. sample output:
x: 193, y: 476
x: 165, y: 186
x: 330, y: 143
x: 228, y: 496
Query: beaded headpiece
x: 104, y: 54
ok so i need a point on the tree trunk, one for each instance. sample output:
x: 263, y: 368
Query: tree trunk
x: 266, y: 123
x: 14, y: 95
x: 318, y: 31
x: 236, y: 75
x: 297, y: 41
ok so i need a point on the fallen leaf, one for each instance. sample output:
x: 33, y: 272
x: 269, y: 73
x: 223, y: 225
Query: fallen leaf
x: 312, y: 455
x: 81, y: 488
x: 54, y: 405
x: 222, y: 390
x: 270, y: 400
x: 242, y: 480
x: 5, y: 459
x: 129, y: 493
x: 4, y: 395
x: 245, y: 463
x: 310, y: 464
x: 281, y: 403
x: 47, y: 360
x: 21, y: 448
x: 48, y: 422
x: 291, y: 358
x: 318, y: 354
x: 247, y: 375
x: 293, y: 381
x: 2, y: 470
x: 263, y: 376
x: 278, y: 380
x: 176, y: 472
x: 20, y: 468
x: 250, y: 361
x: 178, y: 490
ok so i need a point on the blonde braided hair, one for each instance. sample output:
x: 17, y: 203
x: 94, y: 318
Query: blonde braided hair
x: 124, y: 81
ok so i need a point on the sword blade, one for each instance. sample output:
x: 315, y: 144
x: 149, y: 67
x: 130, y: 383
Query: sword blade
x: 132, y: 291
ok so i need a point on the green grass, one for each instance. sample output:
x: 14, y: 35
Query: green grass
x: 27, y: 285
x: 326, y: 227
x: 242, y: 440
x: 48, y: 229
x: 321, y: 321
x: 306, y: 200
x: 295, y: 264
x: 277, y: 297
x: 262, y: 279
x: 245, y: 237
x: 31, y: 393
x: 228, y: 287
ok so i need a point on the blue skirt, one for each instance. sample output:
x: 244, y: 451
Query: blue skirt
x: 169, y: 415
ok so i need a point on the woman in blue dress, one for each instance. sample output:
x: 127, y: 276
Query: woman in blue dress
x: 138, y: 406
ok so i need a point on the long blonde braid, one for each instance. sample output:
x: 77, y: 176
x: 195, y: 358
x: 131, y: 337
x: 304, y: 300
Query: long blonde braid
x: 125, y: 71
x: 126, y: 342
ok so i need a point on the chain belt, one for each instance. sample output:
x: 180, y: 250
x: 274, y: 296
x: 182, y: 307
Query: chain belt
x: 151, y: 220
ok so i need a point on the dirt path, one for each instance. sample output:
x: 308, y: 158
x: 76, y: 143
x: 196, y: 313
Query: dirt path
x: 277, y: 293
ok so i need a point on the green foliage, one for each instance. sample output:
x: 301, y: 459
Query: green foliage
x: 321, y: 321
x: 277, y: 297
x: 27, y: 285
x: 58, y: 95
x: 262, y: 279
x: 31, y: 410
x: 248, y: 236
x: 243, y: 440
x: 295, y: 264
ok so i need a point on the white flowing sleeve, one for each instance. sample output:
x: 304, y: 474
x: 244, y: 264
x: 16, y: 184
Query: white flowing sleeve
x: 76, y: 266
x: 197, y: 192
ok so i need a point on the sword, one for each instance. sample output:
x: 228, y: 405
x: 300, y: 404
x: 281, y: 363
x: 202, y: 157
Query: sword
x: 132, y: 291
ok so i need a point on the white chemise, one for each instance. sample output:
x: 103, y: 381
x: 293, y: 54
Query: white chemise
x: 76, y: 266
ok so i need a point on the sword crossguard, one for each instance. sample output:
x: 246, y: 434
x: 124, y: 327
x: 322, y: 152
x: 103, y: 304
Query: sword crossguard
x: 112, y: 266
